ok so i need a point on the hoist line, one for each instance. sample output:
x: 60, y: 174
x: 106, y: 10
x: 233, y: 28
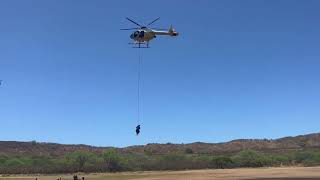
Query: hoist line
x: 139, y: 81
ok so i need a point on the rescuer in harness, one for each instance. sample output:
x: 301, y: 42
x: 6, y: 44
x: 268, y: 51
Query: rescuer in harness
x: 138, y: 130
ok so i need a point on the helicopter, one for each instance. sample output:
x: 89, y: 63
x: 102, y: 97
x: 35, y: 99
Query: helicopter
x: 144, y: 34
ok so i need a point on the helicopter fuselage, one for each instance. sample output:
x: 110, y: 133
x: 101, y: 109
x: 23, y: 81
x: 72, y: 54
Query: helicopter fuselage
x: 145, y: 34
x: 142, y: 35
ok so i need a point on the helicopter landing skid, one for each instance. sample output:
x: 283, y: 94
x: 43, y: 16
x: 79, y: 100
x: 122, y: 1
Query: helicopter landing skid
x: 138, y: 45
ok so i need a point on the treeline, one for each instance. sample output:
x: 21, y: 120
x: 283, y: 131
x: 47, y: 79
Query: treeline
x: 112, y: 161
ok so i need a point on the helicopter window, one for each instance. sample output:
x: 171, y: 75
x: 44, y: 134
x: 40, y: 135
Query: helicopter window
x: 135, y: 34
x: 141, y: 34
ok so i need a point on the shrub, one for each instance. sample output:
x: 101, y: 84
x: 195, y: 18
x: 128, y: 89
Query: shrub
x: 250, y: 158
x: 112, y: 160
x: 221, y: 162
x: 79, y: 159
x: 188, y: 151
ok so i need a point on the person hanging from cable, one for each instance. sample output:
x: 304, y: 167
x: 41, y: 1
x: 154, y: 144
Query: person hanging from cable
x: 138, y: 130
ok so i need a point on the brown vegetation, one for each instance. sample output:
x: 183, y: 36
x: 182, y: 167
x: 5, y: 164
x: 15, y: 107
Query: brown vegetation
x: 286, y: 144
x: 33, y: 157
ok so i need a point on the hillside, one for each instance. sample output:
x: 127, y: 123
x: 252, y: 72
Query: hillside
x: 309, y: 141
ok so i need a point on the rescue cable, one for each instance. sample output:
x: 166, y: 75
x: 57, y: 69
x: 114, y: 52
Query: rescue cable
x: 138, y: 93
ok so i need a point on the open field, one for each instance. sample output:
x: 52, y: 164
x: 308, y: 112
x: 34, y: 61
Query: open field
x: 296, y: 173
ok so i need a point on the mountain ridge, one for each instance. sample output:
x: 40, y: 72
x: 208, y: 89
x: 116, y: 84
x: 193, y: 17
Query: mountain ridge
x: 285, y: 144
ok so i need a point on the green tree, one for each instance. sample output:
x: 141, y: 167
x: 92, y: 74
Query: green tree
x: 307, y: 158
x: 14, y: 162
x: 79, y: 158
x: 112, y: 160
x: 188, y: 151
x: 40, y: 161
x: 3, y: 159
x: 221, y: 162
x: 250, y: 158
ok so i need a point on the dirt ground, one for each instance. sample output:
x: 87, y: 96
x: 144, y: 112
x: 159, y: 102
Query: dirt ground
x: 295, y: 173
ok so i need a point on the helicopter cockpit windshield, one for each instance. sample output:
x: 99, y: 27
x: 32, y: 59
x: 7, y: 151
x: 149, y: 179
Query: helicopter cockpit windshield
x: 135, y: 34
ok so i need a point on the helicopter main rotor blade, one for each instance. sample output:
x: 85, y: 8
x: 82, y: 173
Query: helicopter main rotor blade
x: 159, y: 29
x: 153, y: 21
x: 129, y: 28
x: 134, y: 22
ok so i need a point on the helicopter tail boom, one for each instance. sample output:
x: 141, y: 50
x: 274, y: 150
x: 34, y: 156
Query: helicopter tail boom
x: 170, y: 32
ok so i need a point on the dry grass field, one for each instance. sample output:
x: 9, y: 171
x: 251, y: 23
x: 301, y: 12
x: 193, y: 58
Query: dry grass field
x: 295, y: 173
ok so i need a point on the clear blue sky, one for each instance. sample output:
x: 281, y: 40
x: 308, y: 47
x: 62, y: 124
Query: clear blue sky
x: 239, y: 69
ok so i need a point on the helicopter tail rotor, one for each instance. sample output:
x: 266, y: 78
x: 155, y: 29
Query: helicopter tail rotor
x: 173, y: 32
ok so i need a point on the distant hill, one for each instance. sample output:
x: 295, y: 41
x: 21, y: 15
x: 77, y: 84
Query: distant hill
x: 309, y: 141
